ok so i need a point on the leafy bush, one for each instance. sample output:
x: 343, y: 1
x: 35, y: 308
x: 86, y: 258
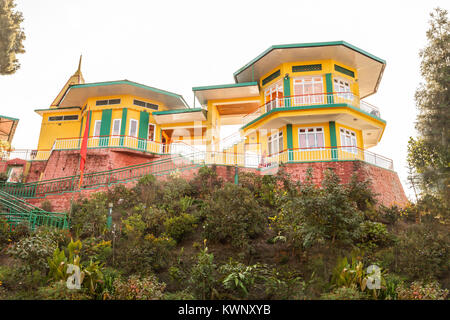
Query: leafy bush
x: 202, y: 280
x: 176, y: 197
x: 145, y: 255
x: 344, y: 293
x: 138, y: 288
x: 373, y: 235
x: 206, y: 181
x: 233, y: 216
x: 4, y: 232
x: 58, y: 291
x: 179, y: 227
x: 90, y: 274
x: 46, y: 206
x: 284, y: 285
x: 88, y: 217
x: 239, y: 277
x: 389, y: 215
x: 423, y: 252
x: 96, y: 249
x: 10, y: 233
x: 148, y: 190
x: 13, y: 279
x: 354, y: 276
x: 33, y: 251
x: 360, y: 193
x: 389, y: 290
x: 318, y: 215
x: 420, y: 291
x: 179, y: 295
x: 154, y: 219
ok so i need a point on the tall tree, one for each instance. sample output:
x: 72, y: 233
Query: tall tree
x: 11, y: 37
x: 429, y: 154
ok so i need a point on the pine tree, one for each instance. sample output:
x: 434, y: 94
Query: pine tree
x: 429, y: 154
x: 11, y: 37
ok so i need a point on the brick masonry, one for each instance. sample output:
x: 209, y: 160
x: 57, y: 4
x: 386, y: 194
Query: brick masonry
x: 64, y: 163
x: 385, y: 183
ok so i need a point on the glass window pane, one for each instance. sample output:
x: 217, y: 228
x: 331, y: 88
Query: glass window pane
x: 311, y: 140
x: 302, y: 139
x: 320, y: 142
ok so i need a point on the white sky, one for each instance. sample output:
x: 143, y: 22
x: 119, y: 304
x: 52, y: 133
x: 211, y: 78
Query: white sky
x: 176, y: 45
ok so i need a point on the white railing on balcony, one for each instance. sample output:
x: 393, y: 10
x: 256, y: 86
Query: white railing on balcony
x: 369, y: 108
x: 25, y: 154
x: 328, y: 154
x: 311, y: 100
x: 250, y: 159
x: 126, y: 142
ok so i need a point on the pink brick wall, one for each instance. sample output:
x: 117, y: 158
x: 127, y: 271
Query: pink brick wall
x: 384, y: 182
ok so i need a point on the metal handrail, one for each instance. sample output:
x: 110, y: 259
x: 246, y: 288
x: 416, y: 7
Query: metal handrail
x: 309, y: 100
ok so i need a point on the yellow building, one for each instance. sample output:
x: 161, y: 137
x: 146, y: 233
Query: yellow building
x: 300, y: 102
x: 122, y: 115
x: 293, y: 103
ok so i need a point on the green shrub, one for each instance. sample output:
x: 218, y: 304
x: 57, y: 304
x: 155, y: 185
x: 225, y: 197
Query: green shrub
x: 176, y: 197
x: 179, y: 227
x: 90, y: 273
x: 354, y: 275
x: 389, y: 290
x: 318, y: 215
x: 203, y: 280
x: 61, y: 237
x: 145, y: 255
x: 138, y: 288
x: 121, y: 197
x: 423, y: 252
x: 96, y: 249
x: 179, y: 295
x: 373, y: 235
x: 46, y: 206
x: 16, y: 232
x: 421, y: 291
x: 88, y: 217
x: 154, y: 219
x: 58, y: 291
x: 234, y: 216
x: 344, y: 293
x: 14, y: 279
x: 360, y: 193
x: 4, y: 233
x: 390, y: 215
x: 283, y: 285
x: 206, y: 181
x: 240, y: 278
x: 148, y: 190
x: 34, y: 251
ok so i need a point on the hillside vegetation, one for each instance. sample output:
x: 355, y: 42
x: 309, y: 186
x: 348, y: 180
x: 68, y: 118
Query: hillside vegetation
x: 265, y: 238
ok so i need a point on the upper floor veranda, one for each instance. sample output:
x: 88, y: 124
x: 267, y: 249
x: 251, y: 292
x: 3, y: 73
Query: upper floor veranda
x: 300, y: 84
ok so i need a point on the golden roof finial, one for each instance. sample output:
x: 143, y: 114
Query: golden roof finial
x: 76, y: 78
x: 78, y: 72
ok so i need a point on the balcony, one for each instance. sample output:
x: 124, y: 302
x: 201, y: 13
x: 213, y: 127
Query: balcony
x: 341, y: 153
x: 196, y: 154
x: 256, y: 160
x: 121, y: 142
x: 319, y: 99
x: 25, y: 154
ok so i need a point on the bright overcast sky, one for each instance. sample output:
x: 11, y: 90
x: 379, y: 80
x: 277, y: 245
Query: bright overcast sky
x: 175, y: 45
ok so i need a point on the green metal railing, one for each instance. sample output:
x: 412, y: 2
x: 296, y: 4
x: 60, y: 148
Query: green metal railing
x: 97, y: 179
x: 16, y: 211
